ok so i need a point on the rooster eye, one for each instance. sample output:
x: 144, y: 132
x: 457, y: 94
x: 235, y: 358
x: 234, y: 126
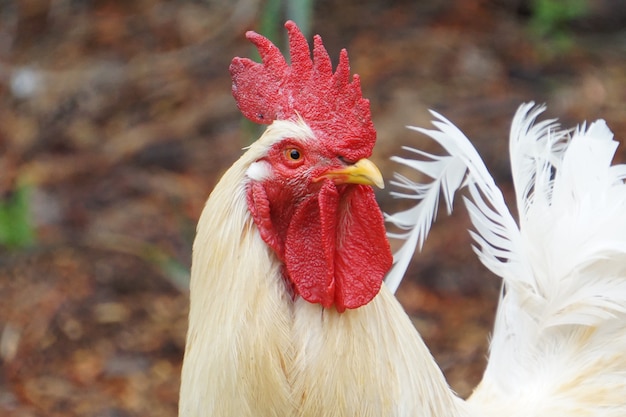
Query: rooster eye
x: 293, y: 157
x: 293, y: 154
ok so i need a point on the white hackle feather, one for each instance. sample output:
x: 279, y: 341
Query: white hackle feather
x: 560, y: 332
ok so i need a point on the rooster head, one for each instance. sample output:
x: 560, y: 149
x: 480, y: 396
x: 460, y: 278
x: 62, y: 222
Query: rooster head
x: 310, y: 191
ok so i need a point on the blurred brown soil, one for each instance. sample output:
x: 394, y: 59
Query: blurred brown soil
x: 119, y: 119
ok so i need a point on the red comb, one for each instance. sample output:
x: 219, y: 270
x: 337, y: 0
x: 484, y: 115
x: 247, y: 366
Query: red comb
x: 330, y: 103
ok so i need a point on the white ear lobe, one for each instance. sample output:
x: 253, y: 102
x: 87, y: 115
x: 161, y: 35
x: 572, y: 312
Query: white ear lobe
x: 259, y: 171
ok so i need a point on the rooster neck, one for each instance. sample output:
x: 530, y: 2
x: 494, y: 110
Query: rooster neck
x: 239, y: 316
x: 254, y: 351
x: 368, y: 361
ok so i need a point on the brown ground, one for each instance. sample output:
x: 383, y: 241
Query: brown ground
x: 118, y: 116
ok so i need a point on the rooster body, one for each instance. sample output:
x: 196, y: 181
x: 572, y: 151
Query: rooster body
x: 289, y: 315
x: 254, y: 351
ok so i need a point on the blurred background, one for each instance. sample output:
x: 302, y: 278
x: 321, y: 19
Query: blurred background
x: 116, y: 120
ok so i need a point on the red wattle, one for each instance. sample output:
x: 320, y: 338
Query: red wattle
x: 336, y: 250
x: 310, y: 247
x: 362, y: 254
x: 334, y: 245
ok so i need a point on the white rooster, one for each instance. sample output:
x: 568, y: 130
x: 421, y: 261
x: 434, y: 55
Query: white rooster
x: 288, y: 314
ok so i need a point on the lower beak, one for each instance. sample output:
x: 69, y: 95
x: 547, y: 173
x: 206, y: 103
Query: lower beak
x: 362, y: 172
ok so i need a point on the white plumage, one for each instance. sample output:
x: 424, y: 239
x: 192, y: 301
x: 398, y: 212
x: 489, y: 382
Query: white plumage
x: 253, y: 351
x: 288, y: 317
x: 559, y: 343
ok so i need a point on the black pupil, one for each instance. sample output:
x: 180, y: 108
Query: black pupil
x: 294, y: 154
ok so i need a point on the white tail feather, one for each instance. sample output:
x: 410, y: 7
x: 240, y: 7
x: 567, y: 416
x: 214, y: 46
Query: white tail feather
x: 563, y: 267
x: 463, y: 166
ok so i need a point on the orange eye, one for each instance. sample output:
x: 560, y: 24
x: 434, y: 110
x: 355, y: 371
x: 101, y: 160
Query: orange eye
x: 293, y: 154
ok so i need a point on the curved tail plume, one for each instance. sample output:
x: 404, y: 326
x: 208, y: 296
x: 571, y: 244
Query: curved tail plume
x: 497, y: 235
x: 571, y: 202
x: 561, y: 320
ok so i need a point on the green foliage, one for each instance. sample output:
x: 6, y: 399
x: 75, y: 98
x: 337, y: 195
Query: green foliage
x: 173, y: 270
x: 16, y: 230
x: 301, y: 12
x: 276, y: 12
x: 270, y: 21
x: 550, y: 18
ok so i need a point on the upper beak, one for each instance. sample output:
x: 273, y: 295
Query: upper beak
x: 362, y: 172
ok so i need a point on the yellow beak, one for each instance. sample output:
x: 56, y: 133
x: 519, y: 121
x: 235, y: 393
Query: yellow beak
x: 362, y: 172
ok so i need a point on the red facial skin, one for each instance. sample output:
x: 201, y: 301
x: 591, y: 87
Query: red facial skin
x: 330, y: 237
x: 329, y: 233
